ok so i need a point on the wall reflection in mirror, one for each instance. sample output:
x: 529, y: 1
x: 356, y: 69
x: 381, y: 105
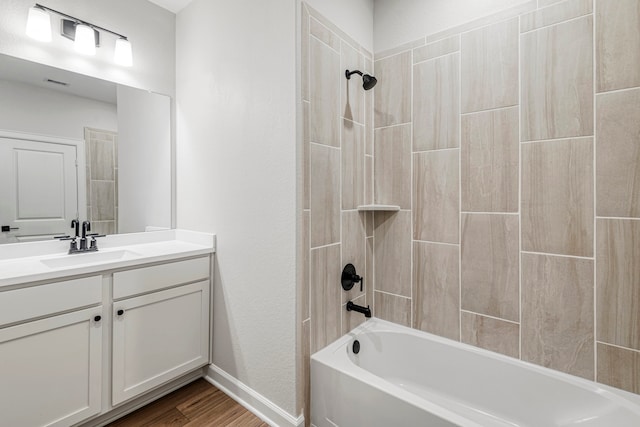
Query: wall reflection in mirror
x: 73, y: 146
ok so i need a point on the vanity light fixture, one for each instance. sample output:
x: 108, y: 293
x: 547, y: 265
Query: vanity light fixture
x: 39, y: 24
x: 86, y: 36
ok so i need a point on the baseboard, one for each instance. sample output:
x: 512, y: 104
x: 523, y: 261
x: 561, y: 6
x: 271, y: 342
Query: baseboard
x: 262, y: 407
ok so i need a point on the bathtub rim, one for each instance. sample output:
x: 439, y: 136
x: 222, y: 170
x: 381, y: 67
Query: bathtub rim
x: 327, y: 356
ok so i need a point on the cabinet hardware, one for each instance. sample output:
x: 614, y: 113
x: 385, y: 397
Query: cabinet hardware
x: 97, y: 318
x: 120, y: 312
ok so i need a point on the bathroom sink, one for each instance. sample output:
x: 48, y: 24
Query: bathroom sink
x: 88, y: 258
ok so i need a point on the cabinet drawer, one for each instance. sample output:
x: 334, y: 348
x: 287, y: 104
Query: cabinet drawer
x: 38, y: 301
x: 149, y: 279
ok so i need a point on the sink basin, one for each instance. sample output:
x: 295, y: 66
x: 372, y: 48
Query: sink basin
x: 88, y: 258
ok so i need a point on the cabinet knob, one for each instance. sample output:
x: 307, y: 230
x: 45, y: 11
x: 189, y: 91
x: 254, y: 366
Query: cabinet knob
x: 120, y: 312
x: 97, y: 318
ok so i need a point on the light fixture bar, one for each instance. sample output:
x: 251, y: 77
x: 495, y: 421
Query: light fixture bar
x: 80, y: 21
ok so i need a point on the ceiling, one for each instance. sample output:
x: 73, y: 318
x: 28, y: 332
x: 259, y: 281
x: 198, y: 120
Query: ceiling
x: 174, y: 6
x: 32, y: 73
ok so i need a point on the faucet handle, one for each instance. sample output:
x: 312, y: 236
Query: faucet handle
x: 94, y: 242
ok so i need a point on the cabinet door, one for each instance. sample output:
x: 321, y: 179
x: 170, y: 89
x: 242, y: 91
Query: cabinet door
x: 158, y: 337
x: 51, y: 370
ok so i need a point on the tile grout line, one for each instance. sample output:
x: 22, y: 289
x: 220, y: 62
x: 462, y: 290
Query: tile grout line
x: 487, y: 110
x: 412, y: 309
x: 460, y: 58
x: 558, y: 255
x: 624, y: 89
x: 595, y: 194
x: 564, y: 21
x: 567, y: 138
x: 434, y: 57
x: 520, y: 329
x: 618, y: 346
x: 490, y: 317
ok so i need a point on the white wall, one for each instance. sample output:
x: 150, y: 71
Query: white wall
x: 144, y: 160
x: 150, y: 29
x: 236, y: 177
x: 401, y: 21
x: 354, y: 17
x: 31, y: 109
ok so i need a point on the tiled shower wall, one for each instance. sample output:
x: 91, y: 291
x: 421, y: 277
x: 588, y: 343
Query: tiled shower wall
x: 512, y: 146
x: 102, y: 180
x: 337, y: 178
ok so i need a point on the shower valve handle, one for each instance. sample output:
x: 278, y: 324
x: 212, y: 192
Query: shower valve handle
x: 350, y: 277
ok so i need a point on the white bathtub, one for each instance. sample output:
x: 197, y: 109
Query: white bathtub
x: 404, y: 377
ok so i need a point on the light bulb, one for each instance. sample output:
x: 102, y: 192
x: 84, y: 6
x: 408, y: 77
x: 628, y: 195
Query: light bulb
x: 85, y: 42
x: 123, y: 55
x: 39, y: 24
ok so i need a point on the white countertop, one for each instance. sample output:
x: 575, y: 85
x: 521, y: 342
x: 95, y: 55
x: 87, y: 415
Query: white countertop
x: 35, y: 261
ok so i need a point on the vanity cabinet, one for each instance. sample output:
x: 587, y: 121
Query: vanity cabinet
x: 51, y: 353
x: 162, y: 333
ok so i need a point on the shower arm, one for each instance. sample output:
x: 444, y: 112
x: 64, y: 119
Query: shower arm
x: 348, y: 73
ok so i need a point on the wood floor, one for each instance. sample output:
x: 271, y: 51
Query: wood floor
x: 196, y: 404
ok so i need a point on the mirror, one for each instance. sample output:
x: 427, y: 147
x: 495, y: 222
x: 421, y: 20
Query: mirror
x: 73, y: 146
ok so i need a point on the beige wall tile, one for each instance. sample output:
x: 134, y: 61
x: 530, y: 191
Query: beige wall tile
x: 305, y: 154
x: 491, y: 334
x: 368, y: 180
x: 305, y: 380
x: 369, y: 281
x: 103, y: 227
x: 337, y: 31
x: 353, y: 319
x: 485, y: 20
x: 436, y: 289
x: 439, y: 48
x: 392, y: 166
x: 557, y: 197
x: 617, y: 44
x: 306, y: 248
x: 619, y: 367
x: 545, y: 3
x: 557, y: 81
x: 369, y: 224
x: 103, y: 206
x: 618, y: 282
x: 400, y: 49
x: 325, y: 296
x: 324, y: 126
x: 563, y: 11
x: 489, y: 64
x: 490, y: 265
x: 325, y: 195
x: 102, y: 160
x: 436, y: 196
x: 393, y: 308
x: 324, y: 34
x: 353, y: 172
x: 557, y: 313
x: 353, y: 249
x: 618, y: 154
x: 304, y: 53
x: 368, y: 114
x: 351, y: 92
x: 392, y: 252
x: 489, y: 165
x: 436, y: 106
x: 393, y: 92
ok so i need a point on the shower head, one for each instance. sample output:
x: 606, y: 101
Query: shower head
x: 368, y: 81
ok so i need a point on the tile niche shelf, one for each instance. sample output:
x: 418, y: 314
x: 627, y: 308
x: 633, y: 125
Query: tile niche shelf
x: 378, y: 208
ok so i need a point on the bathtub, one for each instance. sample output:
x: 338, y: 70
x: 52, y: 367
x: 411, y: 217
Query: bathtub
x: 404, y: 377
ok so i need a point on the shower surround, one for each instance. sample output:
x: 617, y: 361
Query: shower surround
x: 511, y: 145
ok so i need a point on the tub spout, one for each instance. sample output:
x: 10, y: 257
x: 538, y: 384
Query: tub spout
x: 360, y: 309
